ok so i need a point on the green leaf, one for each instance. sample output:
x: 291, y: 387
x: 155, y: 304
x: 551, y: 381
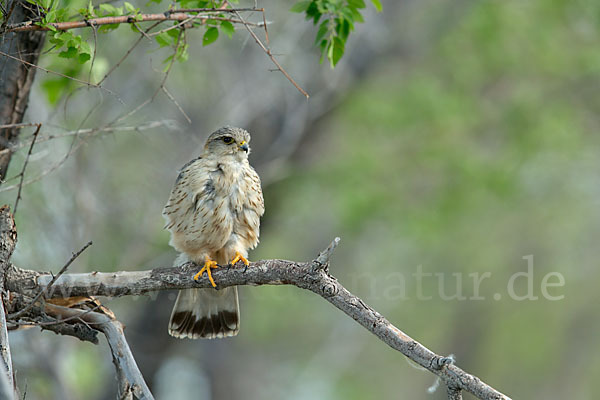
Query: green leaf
x: 300, y: 6
x: 182, y: 53
x: 174, y: 33
x: 84, y: 47
x: 356, y: 3
x: 83, y: 58
x: 71, y: 52
x: 108, y: 28
x: 210, y: 36
x: 227, y: 28
x: 163, y: 39
x: 110, y: 10
x: 44, y: 3
x: 50, y: 16
x: 357, y: 16
x: 323, y: 29
x: 312, y: 12
x: 343, y: 27
x: 336, y: 51
x: 54, y: 89
x: 129, y: 7
x: 377, y: 5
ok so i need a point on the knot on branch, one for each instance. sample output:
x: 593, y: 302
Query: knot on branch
x: 330, y: 289
x: 439, y: 362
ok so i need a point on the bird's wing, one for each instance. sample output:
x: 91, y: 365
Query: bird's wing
x: 254, y: 208
x: 256, y: 199
x: 191, y: 185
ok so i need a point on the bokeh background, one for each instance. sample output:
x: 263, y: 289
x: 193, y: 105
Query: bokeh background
x: 454, y: 138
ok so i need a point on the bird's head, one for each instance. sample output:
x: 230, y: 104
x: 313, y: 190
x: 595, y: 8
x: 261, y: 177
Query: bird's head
x: 228, y: 141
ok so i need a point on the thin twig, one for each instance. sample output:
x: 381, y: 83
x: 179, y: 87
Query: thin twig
x: 170, y: 96
x: 54, y: 279
x: 90, y: 132
x: 54, y: 72
x: 93, y: 55
x: 19, y: 126
x: 171, y: 62
x: 22, y: 173
x: 266, y: 30
x: 114, y: 67
x: 53, y: 168
x: 268, y: 52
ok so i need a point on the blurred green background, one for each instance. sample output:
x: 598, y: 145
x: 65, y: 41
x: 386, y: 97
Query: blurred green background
x: 454, y: 138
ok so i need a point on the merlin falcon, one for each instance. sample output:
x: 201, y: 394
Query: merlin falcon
x: 213, y: 215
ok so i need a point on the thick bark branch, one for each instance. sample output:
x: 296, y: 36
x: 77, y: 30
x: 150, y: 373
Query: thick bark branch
x: 6, y: 373
x: 131, y: 381
x: 8, y: 241
x: 6, y: 391
x: 16, y: 79
x: 313, y: 276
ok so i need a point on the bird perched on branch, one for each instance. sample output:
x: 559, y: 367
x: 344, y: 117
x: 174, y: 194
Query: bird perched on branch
x: 213, y: 215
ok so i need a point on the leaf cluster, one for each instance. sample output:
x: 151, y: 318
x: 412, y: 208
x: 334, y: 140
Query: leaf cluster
x: 336, y: 19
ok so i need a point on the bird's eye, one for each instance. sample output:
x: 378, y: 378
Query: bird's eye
x: 228, y: 140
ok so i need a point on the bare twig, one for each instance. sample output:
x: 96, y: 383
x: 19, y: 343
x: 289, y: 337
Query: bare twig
x: 55, y: 73
x: 173, y: 57
x: 41, y: 316
x: 22, y: 173
x: 89, y: 132
x: 52, y: 281
x: 268, y: 52
x: 267, y: 272
x: 19, y: 126
x: 114, y: 67
x: 181, y: 110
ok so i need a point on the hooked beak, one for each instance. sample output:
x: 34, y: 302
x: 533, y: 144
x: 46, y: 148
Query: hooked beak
x: 244, y: 146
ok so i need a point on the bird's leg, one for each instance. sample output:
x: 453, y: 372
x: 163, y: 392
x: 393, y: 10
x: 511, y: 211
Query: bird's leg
x: 208, y: 265
x: 240, y: 257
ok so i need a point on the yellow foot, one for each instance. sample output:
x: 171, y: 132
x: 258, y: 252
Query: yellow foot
x: 208, y: 265
x: 239, y: 257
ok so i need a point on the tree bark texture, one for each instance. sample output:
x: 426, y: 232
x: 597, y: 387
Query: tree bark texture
x: 16, y: 78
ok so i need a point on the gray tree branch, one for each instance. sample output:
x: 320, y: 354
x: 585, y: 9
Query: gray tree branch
x: 8, y: 241
x: 130, y: 379
x: 6, y: 372
x: 313, y: 276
